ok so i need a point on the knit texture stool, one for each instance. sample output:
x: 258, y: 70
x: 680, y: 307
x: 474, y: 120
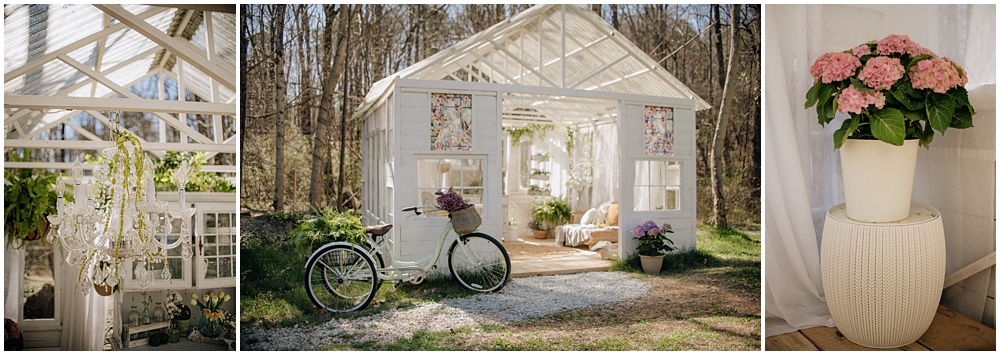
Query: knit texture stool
x: 883, y: 280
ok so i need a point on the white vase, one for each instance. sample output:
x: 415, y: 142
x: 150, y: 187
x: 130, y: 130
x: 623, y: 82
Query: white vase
x: 878, y: 179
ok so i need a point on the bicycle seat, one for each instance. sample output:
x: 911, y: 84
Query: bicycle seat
x: 378, y: 230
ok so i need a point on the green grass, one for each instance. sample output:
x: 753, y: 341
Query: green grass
x: 721, y: 253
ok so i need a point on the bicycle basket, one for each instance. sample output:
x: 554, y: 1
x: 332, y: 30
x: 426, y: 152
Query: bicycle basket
x: 466, y: 220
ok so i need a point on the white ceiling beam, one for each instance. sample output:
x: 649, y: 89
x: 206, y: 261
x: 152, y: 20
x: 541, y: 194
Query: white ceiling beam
x: 193, y: 90
x: 526, y: 65
x: 492, y: 66
x: 83, y: 132
x: 38, y: 62
x: 21, y: 113
x: 39, y: 130
x: 181, y: 126
x: 597, y: 71
x: 41, y: 121
x: 96, y: 145
x: 116, y: 104
x: 100, y: 52
x: 180, y: 30
x: 183, y: 50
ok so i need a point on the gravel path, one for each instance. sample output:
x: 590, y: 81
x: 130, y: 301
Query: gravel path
x: 521, y: 299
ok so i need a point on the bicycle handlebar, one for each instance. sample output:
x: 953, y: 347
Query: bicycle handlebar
x: 417, y: 209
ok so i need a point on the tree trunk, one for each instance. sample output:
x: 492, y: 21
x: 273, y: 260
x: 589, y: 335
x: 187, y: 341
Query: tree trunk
x: 717, y: 36
x: 278, y: 35
x: 721, y: 126
x: 321, y: 134
x: 342, y: 60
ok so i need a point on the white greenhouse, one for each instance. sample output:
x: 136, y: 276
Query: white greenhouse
x: 78, y: 80
x: 607, y: 127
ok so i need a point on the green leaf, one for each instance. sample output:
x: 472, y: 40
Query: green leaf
x: 962, y: 119
x: 914, y: 115
x: 840, y: 136
x: 903, y: 93
x: 811, y: 95
x: 888, y: 126
x: 926, y: 135
x: 915, y: 60
x: 940, y: 110
x: 961, y: 97
x: 860, y: 85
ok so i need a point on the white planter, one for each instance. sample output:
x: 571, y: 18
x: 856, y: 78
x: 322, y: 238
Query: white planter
x: 878, y: 179
x: 511, y: 235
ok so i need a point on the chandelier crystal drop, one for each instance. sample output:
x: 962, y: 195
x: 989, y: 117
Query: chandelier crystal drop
x: 115, y: 229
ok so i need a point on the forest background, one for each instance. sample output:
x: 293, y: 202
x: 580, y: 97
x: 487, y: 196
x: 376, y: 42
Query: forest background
x: 307, y: 67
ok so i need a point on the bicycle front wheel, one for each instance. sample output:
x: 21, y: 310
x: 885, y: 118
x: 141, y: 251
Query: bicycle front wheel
x: 341, y: 278
x: 479, y: 263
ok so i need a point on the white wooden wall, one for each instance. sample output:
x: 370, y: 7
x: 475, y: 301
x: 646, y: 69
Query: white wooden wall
x: 414, y: 237
x: 631, y: 130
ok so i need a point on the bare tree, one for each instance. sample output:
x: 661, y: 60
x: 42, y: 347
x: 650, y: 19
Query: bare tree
x: 721, y: 125
x: 280, y: 82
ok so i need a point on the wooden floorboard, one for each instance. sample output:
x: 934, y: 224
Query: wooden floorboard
x: 948, y: 331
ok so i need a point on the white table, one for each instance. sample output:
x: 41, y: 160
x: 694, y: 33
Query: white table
x: 883, y: 280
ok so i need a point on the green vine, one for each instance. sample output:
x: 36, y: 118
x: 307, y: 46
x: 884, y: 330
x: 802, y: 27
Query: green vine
x: 516, y: 132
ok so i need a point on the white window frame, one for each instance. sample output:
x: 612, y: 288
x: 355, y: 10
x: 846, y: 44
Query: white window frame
x: 679, y: 163
x: 200, y: 262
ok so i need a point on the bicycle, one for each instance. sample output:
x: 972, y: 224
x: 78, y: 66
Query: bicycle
x: 343, y: 276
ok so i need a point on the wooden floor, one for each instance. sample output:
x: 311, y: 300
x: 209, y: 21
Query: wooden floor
x: 948, y: 331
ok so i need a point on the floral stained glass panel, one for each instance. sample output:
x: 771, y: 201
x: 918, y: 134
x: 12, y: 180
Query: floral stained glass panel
x: 451, y: 121
x: 659, y: 130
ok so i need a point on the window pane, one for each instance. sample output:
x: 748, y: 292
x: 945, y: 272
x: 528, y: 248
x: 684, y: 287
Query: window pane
x: 642, y: 172
x: 39, y: 281
x: 224, y: 220
x: 641, y: 196
x: 465, y: 176
x: 657, y: 185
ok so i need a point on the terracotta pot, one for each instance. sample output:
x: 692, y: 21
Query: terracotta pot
x: 651, y: 264
x: 878, y: 179
x: 540, y: 234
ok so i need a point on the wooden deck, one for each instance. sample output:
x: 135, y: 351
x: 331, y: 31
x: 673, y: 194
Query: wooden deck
x: 948, y: 331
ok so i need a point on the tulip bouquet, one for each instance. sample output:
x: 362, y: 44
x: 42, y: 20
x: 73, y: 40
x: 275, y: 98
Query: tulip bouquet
x: 213, y: 315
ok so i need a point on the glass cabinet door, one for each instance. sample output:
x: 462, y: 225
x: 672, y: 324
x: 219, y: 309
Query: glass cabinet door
x: 217, y: 245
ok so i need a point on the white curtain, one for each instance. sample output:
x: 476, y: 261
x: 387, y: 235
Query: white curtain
x: 83, y: 316
x: 13, y: 280
x: 605, y: 165
x: 802, y: 168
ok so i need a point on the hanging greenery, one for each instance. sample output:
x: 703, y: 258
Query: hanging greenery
x: 199, y: 181
x: 516, y: 132
x: 28, y: 200
x: 570, y: 139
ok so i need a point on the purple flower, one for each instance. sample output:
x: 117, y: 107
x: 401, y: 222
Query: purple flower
x: 654, y: 231
x: 451, y: 201
x: 639, y: 231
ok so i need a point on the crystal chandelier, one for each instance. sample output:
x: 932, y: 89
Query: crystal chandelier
x: 113, y: 221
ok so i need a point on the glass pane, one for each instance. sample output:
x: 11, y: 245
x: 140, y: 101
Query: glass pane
x: 226, y: 267
x: 210, y: 220
x: 673, y: 174
x: 210, y: 239
x: 642, y: 172
x: 213, y: 268
x: 210, y: 250
x: 657, y: 172
x: 39, y: 281
x: 673, y: 200
x: 641, y: 196
x: 656, y: 198
x: 224, y: 250
x: 224, y: 220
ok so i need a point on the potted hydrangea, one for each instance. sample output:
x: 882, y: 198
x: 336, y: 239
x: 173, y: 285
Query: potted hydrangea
x: 464, y: 217
x: 897, y: 94
x: 653, y: 245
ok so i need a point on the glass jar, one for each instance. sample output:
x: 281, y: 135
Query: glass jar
x: 133, y: 317
x: 159, y: 314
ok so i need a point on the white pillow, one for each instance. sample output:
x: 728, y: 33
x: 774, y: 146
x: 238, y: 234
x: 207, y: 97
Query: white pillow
x: 602, y: 213
x: 590, y: 217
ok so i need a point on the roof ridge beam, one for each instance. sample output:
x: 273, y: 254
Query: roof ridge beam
x: 27, y: 67
x: 188, y: 53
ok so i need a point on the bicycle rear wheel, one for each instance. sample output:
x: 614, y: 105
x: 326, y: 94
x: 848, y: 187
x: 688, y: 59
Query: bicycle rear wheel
x: 341, y: 278
x: 479, y: 263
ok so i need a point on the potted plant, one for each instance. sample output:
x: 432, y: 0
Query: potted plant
x: 536, y: 190
x: 897, y: 94
x: 552, y: 212
x: 464, y: 217
x: 511, y: 230
x: 29, y: 198
x: 537, y: 231
x: 180, y: 313
x: 538, y: 174
x: 653, y: 245
x: 213, y: 316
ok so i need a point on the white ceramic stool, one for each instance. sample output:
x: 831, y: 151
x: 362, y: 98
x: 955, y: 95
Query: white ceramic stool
x: 883, y: 280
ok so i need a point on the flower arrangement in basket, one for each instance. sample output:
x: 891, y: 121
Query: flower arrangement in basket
x: 464, y: 217
x: 653, y: 239
x: 894, y: 89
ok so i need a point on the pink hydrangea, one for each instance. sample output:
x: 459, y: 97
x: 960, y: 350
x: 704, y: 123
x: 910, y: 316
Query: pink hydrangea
x: 938, y: 74
x: 881, y: 72
x: 834, y: 66
x: 852, y: 100
x: 861, y: 50
x: 898, y: 44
